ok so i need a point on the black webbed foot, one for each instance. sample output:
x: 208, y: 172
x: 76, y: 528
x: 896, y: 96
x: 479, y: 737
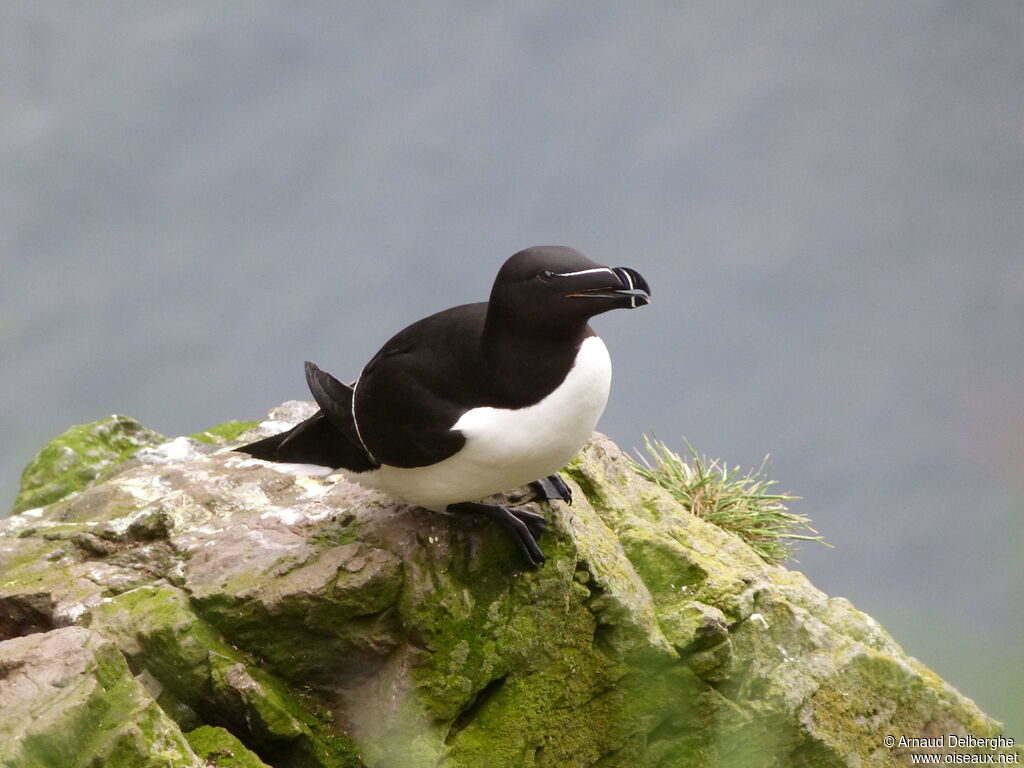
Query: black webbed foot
x: 525, y: 527
x: 552, y: 487
x: 535, y: 523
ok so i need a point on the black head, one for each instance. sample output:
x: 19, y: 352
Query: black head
x: 551, y: 288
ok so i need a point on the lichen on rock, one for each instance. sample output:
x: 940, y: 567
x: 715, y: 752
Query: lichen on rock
x: 248, y: 614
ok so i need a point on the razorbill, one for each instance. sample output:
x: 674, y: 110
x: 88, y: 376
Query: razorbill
x: 477, y: 399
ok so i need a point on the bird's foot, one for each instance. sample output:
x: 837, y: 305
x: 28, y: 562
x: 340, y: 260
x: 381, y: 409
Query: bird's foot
x: 536, y: 523
x: 552, y: 487
x: 525, y: 527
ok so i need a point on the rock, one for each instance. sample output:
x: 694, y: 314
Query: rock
x: 222, y: 434
x: 222, y: 750
x: 70, y: 699
x: 267, y: 617
x: 76, y: 458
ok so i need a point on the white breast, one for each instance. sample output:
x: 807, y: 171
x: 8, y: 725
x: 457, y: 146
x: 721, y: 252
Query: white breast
x: 506, y: 448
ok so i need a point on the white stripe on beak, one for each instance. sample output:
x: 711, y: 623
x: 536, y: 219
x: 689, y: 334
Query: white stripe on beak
x: 586, y: 272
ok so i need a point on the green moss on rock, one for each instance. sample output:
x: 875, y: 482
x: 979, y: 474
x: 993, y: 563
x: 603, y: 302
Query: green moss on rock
x: 224, y: 433
x: 222, y: 750
x: 202, y: 675
x: 285, y: 620
x: 76, y: 458
x: 84, y: 707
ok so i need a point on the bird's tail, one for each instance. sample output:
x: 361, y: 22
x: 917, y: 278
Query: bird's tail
x: 314, y: 441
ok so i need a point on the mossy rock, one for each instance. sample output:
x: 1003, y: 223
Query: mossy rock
x: 204, y: 679
x: 286, y: 620
x: 73, y: 460
x: 70, y: 701
x: 224, y: 433
x: 220, y: 749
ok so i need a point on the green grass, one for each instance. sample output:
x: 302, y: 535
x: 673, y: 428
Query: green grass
x: 740, y: 503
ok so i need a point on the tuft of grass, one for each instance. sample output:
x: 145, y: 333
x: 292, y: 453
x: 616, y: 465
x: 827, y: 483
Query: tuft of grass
x: 739, y: 503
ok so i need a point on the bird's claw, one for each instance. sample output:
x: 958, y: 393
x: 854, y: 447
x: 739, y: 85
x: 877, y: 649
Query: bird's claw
x: 552, y: 487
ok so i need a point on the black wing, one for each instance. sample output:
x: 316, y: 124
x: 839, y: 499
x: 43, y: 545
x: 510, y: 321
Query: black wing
x: 334, y: 399
x: 419, y: 384
x: 314, y: 441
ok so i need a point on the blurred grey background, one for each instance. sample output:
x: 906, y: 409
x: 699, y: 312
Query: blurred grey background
x: 827, y: 199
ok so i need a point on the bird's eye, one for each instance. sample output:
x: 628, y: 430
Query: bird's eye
x: 545, y: 276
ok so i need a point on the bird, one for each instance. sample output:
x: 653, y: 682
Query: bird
x: 478, y: 399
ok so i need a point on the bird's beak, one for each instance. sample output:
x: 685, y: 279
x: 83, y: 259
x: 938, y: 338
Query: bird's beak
x: 626, y: 286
